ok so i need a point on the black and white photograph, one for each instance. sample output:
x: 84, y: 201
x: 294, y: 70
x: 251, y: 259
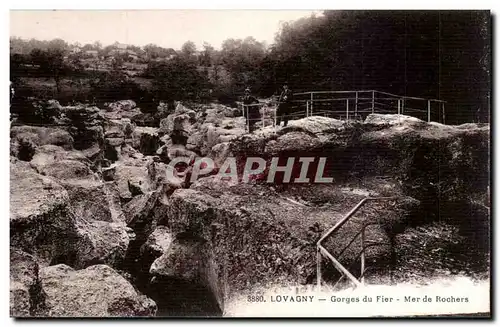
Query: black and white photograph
x: 170, y: 163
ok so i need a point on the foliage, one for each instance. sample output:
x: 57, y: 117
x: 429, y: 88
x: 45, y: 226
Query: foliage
x: 433, y: 54
x: 26, y: 148
x: 113, y: 86
x: 176, y: 79
x: 29, y: 110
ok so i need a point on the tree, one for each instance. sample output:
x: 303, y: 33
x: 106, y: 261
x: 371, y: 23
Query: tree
x: 87, y: 47
x: 176, y: 79
x: 51, y: 63
x: 57, y: 45
x: 243, y: 60
x: 97, y: 45
x: 188, y: 49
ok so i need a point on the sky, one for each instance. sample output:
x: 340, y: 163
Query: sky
x: 167, y: 28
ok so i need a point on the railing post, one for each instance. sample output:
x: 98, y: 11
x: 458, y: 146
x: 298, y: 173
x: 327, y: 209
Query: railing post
x: 356, y: 106
x: 248, y: 118
x: 403, y: 106
x: 373, y: 101
x: 428, y: 111
x: 442, y: 105
x: 311, y: 105
x: 347, y: 110
x: 399, y: 106
x: 307, y: 108
x: 263, y: 116
x: 318, y: 268
x: 275, y: 116
x: 363, y: 255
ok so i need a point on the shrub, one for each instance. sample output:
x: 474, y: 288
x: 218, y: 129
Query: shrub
x: 128, y: 130
x: 26, y: 149
x: 35, y: 111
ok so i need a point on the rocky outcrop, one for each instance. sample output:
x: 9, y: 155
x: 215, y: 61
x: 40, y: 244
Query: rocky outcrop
x: 105, y: 198
x: 271, y: 241
x: 97, y: 291
x: 313, y: 125
x: 86, y: 126
x: 39, y: 136
x: 40, y: 219
x: 180, y: 120
x: 158, y: 242
x: 59, y: 225
x: 120, y: 109
x: 180, y: 260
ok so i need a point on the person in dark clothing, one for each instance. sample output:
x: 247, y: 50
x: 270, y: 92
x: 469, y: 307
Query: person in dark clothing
x: 284, y: 106
x: 252, y: 110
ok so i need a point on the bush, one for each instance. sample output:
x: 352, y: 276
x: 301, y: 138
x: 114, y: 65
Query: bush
x: 35, y: 111
x: 26, y: 149
x: 115, y: 86
x: 128, y: 130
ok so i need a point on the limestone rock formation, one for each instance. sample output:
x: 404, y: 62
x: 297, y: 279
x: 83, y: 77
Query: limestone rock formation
x: 97, y: 291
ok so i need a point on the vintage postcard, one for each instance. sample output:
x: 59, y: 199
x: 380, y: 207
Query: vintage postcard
x: 250, y: 163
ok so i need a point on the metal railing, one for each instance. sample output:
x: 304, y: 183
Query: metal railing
x: 322, y: 251
x: 349, y: 105
x: 357, y: 104
x: 266, y: 117
x: 262, y: 116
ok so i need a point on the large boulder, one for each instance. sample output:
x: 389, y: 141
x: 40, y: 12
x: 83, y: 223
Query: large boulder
x: 158, y: 242
x: 87, y: 136
x: 396, y: 119
x: 61, y: 138
x: 313, y: 125
x: 179, y: 124
x: 176, y: 122
x: 67, y: 169
x: 146, y: 140
x: 56, y: 227
x: 131, y: 181
x: 41, y: 222
x: 156, y: 245
x: 43, y: 135
x: 122, y: 105
x: 125, y: 114
x: 180, y: 260
x: 36, y: 133
x: 48, y: 154
x: 226, y: 133
x: 101, y: 242
x: 293, y: 142
x: 26, y: 297
x: 94, y: 200
x: 97, y: 291
x: 195, y: 141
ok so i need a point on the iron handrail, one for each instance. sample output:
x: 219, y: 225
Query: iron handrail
x: 321, y: 251
x: 367, y: 91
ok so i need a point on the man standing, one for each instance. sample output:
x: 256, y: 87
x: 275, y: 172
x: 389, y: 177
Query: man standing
x: 284, y: 106
x: 251, y: 110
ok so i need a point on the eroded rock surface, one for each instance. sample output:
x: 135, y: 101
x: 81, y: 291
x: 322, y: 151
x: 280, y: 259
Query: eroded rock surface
x: 97, y: 291
x: 99, y: 192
